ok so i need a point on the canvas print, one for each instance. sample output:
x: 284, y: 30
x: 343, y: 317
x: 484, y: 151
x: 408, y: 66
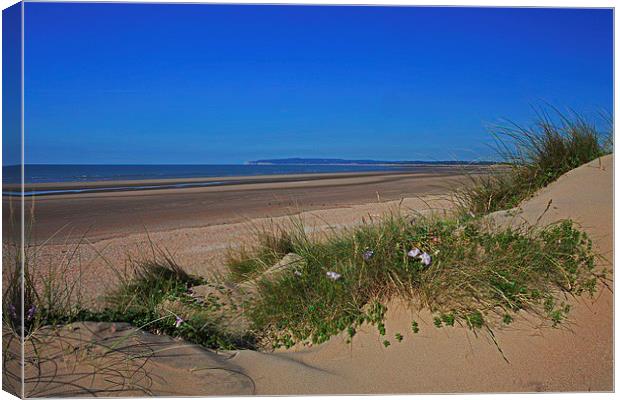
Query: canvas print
x: 227, y: 199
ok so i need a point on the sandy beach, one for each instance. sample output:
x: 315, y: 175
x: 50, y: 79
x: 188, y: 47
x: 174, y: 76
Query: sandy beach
x: 577, y: 357
x: 108, y: 214
x: 199, y: 225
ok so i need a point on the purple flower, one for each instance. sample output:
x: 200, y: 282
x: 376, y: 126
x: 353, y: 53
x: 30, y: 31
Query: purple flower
x: 334, y: 276
x: 178, y: 321
x: 426, y: 259
x: 368, y: 254
x: 413, y: 253
x: 12, y: 311
x: 31, y: 311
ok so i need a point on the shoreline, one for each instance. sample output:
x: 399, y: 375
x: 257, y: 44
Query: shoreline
x: 104, y: 214
x: 73, y: 187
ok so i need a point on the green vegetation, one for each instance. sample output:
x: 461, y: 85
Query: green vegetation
x: 50, y: 295
x: 273, y: 241
x: 415, y: 328
x: 150, y: 297
x: 532, y: 158
x: 478, y: 277
x: 156, y: 297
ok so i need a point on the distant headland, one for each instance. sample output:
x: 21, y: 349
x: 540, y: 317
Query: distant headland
x: 341, y: 161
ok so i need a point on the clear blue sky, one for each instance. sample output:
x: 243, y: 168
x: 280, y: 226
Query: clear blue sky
x: 205, y: 84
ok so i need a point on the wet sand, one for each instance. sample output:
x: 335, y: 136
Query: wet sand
x: 107, y: 214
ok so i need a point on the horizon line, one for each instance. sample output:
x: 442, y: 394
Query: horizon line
x: 253, y: 162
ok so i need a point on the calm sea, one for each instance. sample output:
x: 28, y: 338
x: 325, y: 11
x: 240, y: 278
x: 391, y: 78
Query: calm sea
x: 89, y: 173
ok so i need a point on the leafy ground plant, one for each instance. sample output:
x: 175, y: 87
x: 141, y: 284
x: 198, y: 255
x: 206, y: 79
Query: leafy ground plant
x: 464, y: 271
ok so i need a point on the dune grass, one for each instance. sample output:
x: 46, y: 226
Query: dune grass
x: 478, y: 277
x: 155, y: 296
x: 42, y: 297
x: 535, y: 155
x: 273, y: 242
x: 150, y: 293
x: 37, y: 292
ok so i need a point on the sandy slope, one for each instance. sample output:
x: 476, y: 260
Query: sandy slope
x: 447, y: 359
x: 450, y: 360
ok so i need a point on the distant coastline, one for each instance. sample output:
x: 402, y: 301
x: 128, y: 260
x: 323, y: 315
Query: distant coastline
x: 274, y: 174
x: 58, y: 173
x: 342, y: 162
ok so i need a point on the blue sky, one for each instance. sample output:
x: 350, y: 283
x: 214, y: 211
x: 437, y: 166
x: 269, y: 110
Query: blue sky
x: 11, y: 85
x: 207, y: 84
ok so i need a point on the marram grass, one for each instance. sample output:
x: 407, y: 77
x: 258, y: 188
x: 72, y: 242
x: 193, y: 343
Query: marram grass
x: 532, y: 157
x: 478, y: 277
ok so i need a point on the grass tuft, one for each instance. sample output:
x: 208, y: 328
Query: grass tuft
x: 533, y: 157
x: 148, y: 283
x: 273, y: 243
x: 155, y: 296
x: 51, y: 293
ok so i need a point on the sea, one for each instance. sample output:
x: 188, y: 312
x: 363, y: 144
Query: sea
x: 43, y: 173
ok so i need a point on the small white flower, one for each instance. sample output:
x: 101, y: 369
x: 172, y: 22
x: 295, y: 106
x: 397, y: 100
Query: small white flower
x: 334, y: 276
x: 413, y: 253
x: 426, y: 259
x: 297, y: 273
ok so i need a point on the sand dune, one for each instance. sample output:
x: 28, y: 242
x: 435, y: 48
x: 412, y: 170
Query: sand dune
x: 451, y: 359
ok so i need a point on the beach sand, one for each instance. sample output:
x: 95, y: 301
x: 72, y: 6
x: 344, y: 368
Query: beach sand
x: 198, y: 225
x: 103, y: 215
x: 578, y: 357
